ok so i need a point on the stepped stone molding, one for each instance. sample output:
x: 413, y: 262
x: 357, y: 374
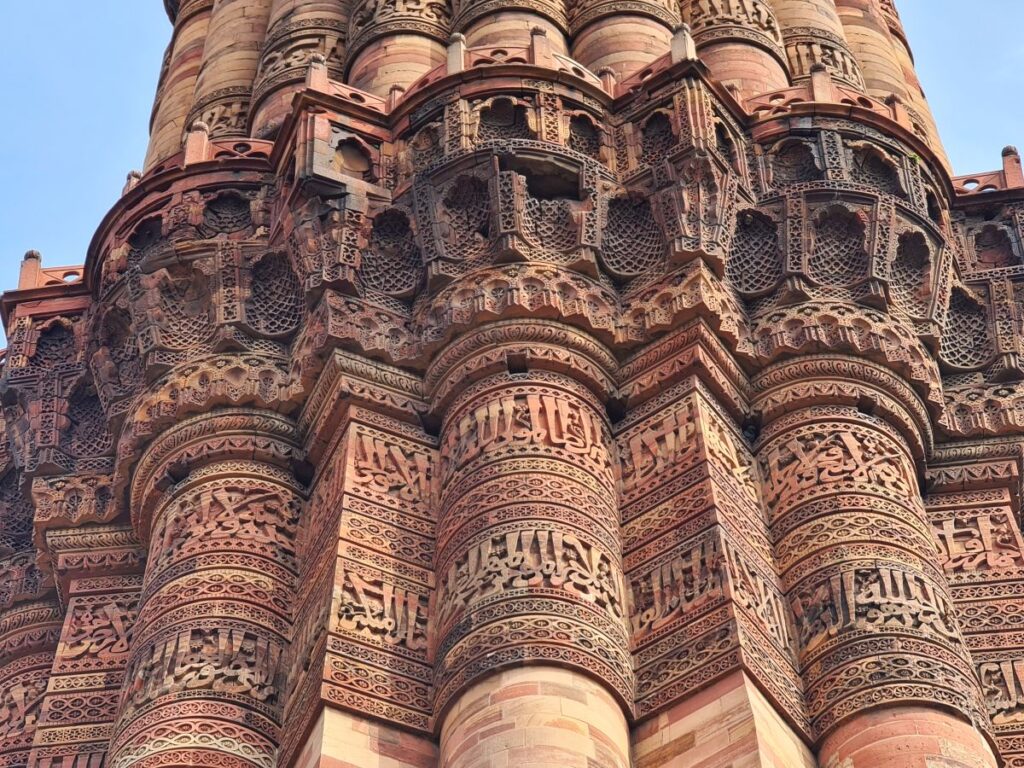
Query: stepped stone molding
x: 546, y: 384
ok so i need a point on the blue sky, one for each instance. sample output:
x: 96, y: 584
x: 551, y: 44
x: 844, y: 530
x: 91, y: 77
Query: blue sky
x: 78, y: 79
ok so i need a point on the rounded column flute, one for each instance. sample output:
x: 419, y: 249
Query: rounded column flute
x: 218, y: 506
x: 530, y: 634
x: 879, y: 646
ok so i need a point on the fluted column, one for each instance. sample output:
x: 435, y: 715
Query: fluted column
x: 607, y: 35
x: 741, y: 43
x: 230, y: 58
x: 178, y: 81
x: 29, y: 628
x: 868, y: 35
x: 297, y: 30
x: 874, y: 621
x: 814, y: 34
x: 916, y: 102
x: 530, y: 628
x: 510, y: 23
x: 392, y: 43
x: 218, y: 507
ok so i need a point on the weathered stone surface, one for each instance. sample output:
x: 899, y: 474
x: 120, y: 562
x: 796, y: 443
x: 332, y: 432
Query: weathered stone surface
x: 474, y: 384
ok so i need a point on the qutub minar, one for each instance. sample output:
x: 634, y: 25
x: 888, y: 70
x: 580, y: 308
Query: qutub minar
x: 524, y: 384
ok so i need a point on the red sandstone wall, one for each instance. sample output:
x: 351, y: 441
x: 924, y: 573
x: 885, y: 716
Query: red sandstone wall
x: 529, y: 384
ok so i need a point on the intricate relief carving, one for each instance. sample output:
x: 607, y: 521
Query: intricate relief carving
x: 967, y: 342
x: 755, y: 261
x: 807, y: 46
x: 838, y: 257
x: 372, y: 18
x: 667, y: 443
x: 871, y: 600
x: 632, y: 243
x: 20, y: 703
x: 99, y: 630
x: 227, y: 661
x: 525, y: 559
x: 230, y: 513
x: 325, y: 243
x: 21, y: 579
x: 683, y: 584
x: 291, y: 46
x: 1003, y: 684
x: 531, y: 419
x: 815, y: 458
x: 977, y: 543
x: 716, y: 19
x: 531, y: 321
x: 753, y: 592
x: 392, y: 467
x: 383, y: 611
x: 392, y: 264
x: 224, y: 112
x: 72, y: 500
x: 274, y: 306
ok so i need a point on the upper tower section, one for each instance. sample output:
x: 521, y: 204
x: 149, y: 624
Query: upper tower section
x: 234, y: 65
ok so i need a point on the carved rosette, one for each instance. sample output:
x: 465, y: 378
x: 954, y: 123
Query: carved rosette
x: 528, y: 552
x: 204, y: 681
x: 874, y: 620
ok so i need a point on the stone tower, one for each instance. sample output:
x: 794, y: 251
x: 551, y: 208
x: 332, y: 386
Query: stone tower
x: 523, y: 384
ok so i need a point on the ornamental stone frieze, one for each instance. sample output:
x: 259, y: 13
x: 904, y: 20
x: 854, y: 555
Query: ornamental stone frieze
x: 600, y: 383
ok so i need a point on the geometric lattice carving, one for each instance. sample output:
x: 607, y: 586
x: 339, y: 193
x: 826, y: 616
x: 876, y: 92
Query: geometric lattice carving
x: 934, y: 207
x: 910, y: 275
x: 55, y: 346
x: 838, y: 257
x: 658, y: 138
x: 467, y: 214
x: 867, y: 166
x: 966, y: 341
x: 503, y: 120
x: 993, y: 248
x: 15, y: 517
x: 392, y: 263
x: 87, y: 427
x: 755, y: 262
x: 186, y: 301
x: 226, y: 214
x: 549, y: 223
x: 426, y: 147
x: 275, y: 300
x: 794, y: 163
x: 122, y: 345
x: 584, y: 136
x: 632, y: 241
x: 147, y: 237
x: 488, y: 413
x: 725, y: 144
